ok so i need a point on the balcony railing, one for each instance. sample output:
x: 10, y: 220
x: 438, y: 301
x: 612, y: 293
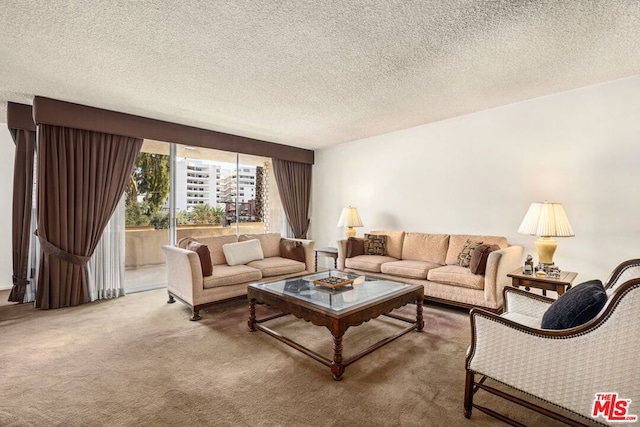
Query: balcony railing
x: 144, y: 244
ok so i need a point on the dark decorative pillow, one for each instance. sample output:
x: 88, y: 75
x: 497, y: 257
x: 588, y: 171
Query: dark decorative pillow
x: 292, y: 249
x: 205, y: 257
x: 578, y: 305
x: 478, y: 262
x: 464, y: 257
x: 375, y: 244
x: 355, y: 247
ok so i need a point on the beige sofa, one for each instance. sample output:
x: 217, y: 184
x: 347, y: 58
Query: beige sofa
x: 432, y: 261
x: 185, y: 280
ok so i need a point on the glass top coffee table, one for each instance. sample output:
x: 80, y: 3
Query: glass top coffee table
x: 336, y: 300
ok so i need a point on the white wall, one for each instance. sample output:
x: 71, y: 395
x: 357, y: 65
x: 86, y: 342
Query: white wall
x: 479, y: 173
x: 7, y: 149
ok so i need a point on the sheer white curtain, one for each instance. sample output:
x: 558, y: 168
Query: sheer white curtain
x: 34, y: 244
x: 286, y: 230
x: 34, y: 260
x: 106, y: 267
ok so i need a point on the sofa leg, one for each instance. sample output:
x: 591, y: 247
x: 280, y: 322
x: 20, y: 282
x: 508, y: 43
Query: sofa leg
x: 171, y: 299
x: 195, y: 314
x: 468, y: 394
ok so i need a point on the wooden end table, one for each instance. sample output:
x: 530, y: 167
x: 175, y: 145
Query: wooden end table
x: 560, y: 285
x: 328, y: 252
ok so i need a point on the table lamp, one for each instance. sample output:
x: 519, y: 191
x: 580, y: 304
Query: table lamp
x: 349, y: 218
x: 546, y: 220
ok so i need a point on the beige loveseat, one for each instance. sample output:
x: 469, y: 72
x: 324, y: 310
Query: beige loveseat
x: 186, y: 282
x: 432, y: 260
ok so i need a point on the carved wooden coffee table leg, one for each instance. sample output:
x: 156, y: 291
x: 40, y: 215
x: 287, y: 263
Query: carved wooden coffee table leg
x: 337, y: 369
x: 419, y: 319
x: 252, y: 315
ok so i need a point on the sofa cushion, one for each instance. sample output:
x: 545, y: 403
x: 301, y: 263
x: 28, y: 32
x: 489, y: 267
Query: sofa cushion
x: 215, y: 244
x: 203, y: 254
x: 464, y: 257
x: 394, y: 242
x: 478, y: 263
x: 425, y: 247
x: 375, y: 244
x: 457, y: 241
x: 368, y: 262
x: 242, y: 252
x: 408, y: 268
x: 355, y: 247
x: 227, y: 275
x: 292, y: 249
x: 275, y: 266
x: 578, y: 305
x: 523, y: 319
x: 456, y: 276
x: 270, y: 242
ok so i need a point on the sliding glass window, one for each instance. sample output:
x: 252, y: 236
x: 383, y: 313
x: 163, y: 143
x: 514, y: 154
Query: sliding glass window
x: 218, y: 192
x: 215, y: 192
x: 147, y: 218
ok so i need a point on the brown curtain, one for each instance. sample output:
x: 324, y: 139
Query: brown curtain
x: 81, y: 177
x: 294, y: 185
x: 25, y: 141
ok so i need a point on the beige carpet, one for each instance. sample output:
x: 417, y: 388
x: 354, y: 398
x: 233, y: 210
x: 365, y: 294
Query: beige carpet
x: 137, y: 361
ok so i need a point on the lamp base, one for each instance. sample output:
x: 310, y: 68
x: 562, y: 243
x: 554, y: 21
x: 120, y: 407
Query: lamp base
x: 546, y: 247
x: 351, y: 232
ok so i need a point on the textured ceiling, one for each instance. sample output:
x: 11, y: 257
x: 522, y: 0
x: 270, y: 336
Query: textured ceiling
x: 310, y: 73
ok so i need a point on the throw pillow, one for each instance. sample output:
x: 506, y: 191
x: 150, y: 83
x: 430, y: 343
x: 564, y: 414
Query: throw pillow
x: 205, y: 256
x: 292, y: 249
x: 478, y: 262
x: 182, y: 243
x: 355, y: 247
x: 242, y: 252
x: 464, y: 257
x: 270, y: 242
x: 577, y: 306
x: 375, y: 244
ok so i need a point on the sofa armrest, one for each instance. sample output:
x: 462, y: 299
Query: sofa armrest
x: 308, y: 246
x: 184, y: 273
x: 342, y: 253
x: 499, y: 264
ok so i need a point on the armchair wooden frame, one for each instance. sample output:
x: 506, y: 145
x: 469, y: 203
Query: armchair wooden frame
x: 623, y: 287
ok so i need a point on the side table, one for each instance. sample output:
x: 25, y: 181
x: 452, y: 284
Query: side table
x: 528, y: 281
x: 328, y: 252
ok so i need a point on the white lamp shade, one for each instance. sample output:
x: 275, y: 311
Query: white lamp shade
x: 546, y: 219
x: 349, y: 218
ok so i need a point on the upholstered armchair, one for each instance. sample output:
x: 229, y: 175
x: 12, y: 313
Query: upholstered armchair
x: 590, y: 370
